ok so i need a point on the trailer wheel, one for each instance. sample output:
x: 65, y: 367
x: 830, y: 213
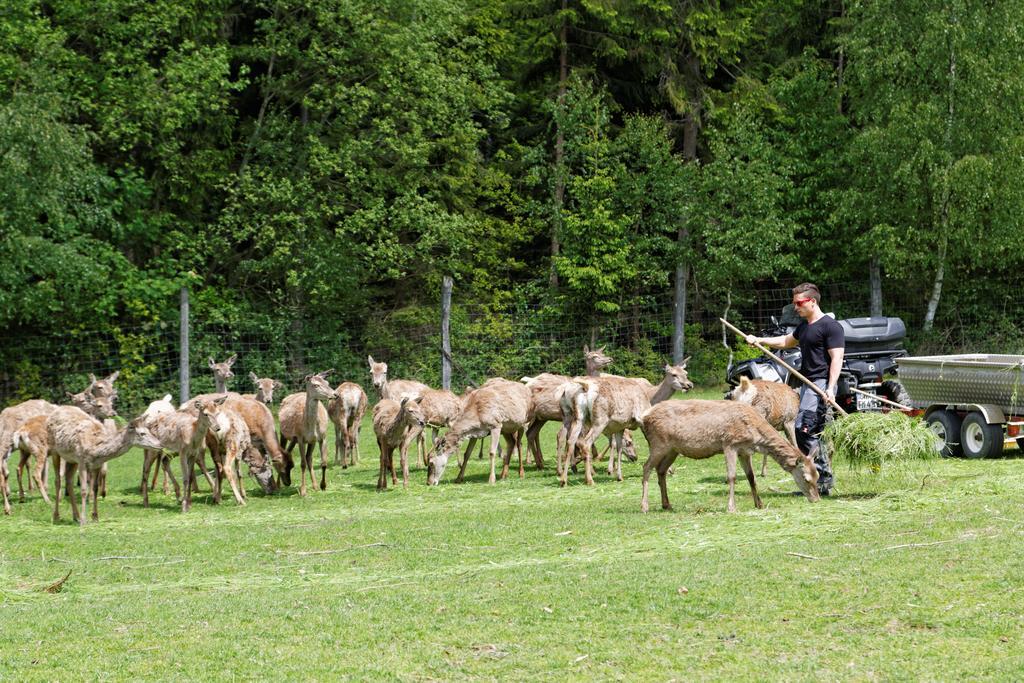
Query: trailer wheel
x: 979, y: 438
x: 945, y: 424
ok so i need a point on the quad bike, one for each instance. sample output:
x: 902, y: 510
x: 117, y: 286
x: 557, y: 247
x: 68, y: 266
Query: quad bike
x: 869, y: 364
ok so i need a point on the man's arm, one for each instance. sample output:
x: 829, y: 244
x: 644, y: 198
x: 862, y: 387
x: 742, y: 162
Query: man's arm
x: 786, y: 341
x: 835, y: 366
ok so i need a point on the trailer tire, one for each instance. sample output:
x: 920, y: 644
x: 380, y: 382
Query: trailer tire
x: 980, y: 439
x: 946, y: 426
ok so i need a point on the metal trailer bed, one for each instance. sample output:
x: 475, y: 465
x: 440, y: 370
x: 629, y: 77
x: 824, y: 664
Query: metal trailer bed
x: 974, y: 402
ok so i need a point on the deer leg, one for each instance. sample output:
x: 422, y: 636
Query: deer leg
x: 616, y: 456
x: 353, y: 439
x: 465, y: 460
x: 650, y: 463
x: 507, y: 458
x: 339, y: 446
x: 596, y: 429
x: 58, y: 472
x: 3, y: 485
x: 230, y: 460
x: 323, y: 464
x: 519, y: 449
x: 749, y: 471
x: 664, y: 467
x: 38, y: 470
x: 94, y: 490
x: 83, y: 485
x: 764, y: 465
x: 185, y: 460
x: 23, y: 464
x: 391, y: 466
x: 165, y: 462
x: 148, y: 456
x: 570, y: 449
x: 730, y: 473
x: 533, y: 443
x: 303, y: 466
x: 495, y: 438
x: 101, y: 481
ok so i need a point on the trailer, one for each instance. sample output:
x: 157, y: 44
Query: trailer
x: 973, y: 402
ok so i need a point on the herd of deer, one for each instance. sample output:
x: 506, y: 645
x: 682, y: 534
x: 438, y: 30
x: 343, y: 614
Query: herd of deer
x: 240, y: 428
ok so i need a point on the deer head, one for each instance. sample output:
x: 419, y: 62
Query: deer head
x: 222, y: 371
x: 677, y: 376
x: 139, y: 434
x: 595, y: 360
x: 378, y: 373
x: 449, y: 445
x: 265, y: 388
x: 317, y: 386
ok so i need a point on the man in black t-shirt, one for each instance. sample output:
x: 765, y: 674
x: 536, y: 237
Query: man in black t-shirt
x: 822, y: 344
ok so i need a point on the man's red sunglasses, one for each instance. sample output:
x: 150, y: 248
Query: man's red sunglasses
x: 801, y: 302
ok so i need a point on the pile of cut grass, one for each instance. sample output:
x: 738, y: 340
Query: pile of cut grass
x: 877, y: 440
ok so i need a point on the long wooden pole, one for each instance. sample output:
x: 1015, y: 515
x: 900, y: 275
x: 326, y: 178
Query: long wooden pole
x: 789, y: 367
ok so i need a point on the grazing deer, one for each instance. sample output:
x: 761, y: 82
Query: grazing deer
x: 230, y: 444
x: 499, y: 407
x: 611, y: 405
x: 777, y: 403
x: 304, y: 421
x: 440, y: 409
x: 396, y: 425
x: 222, y: 372
x: 84, y: 443
x: 547, y: 394
x: 700, y: 429
x: 11, y: 419
x: 346, y: 411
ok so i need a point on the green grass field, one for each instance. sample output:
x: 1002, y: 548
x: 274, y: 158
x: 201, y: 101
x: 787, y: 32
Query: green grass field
x: 916, y: 575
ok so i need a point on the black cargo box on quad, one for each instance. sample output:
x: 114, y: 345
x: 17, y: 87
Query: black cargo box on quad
x: 865, y: 335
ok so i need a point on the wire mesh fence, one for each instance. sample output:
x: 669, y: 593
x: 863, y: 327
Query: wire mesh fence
x: 487, y: 341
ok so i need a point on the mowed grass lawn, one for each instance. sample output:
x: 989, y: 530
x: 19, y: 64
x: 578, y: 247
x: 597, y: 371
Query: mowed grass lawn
x: 910, y: 576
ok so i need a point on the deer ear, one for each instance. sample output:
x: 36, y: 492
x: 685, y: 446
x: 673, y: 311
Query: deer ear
x: 683, y: 363
x: 419, y: 399
x: 601, y: 350
x: 586, y: 348
x: 199, y: 404
x: 212, y: 363
x: 744, y: 381
x: 253, y: 378
x: 369, y: 359
x: 231, y: 361
x: 278, y: 385
x: 92, y: 380
x: 325, y: 373
x: 70, y: 395
x: 405, y: 399
x: 113, y: 376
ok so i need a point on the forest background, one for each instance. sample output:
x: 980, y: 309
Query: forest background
x: 311, y: 171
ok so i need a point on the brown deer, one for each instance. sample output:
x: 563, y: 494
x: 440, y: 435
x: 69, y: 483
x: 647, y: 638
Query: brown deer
x: 222, y: 373
x: 182, y: 432
x: 611, y: 405
x: 85, y: 444
x: 547, y: 391
x: 11, y: 419
x: 396, y: 424
x: 32, y: 441
x: 304, y: 421
x: 346, y: 412
x: 499, y: 407
x: 777, y: 403
x: 700, y: 429
x: 440, y: 409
